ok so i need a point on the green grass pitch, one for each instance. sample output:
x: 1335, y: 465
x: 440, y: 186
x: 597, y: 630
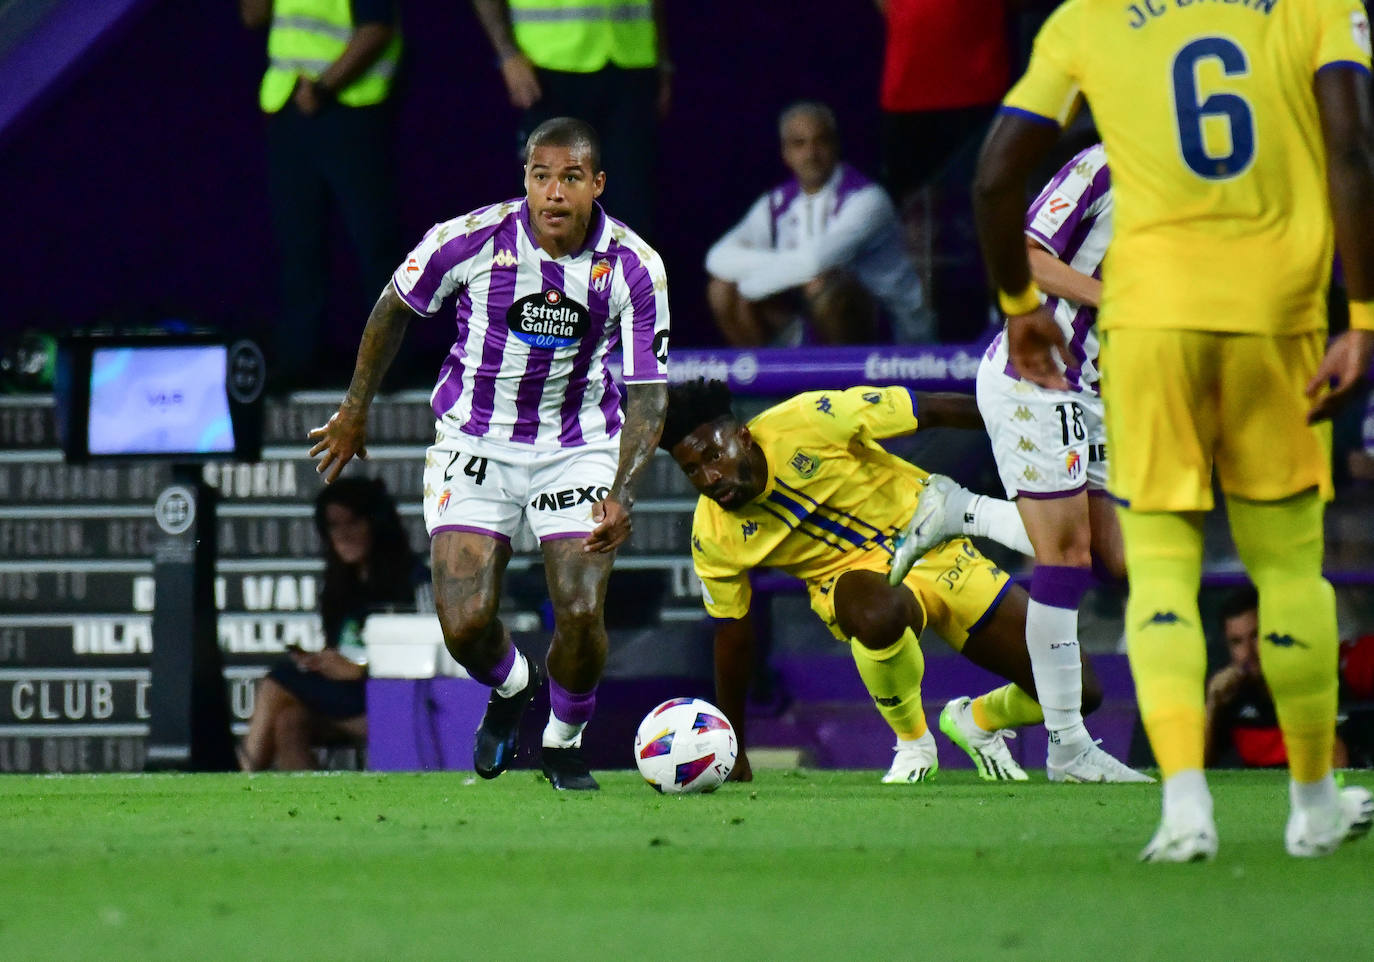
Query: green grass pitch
x: 796, y: 865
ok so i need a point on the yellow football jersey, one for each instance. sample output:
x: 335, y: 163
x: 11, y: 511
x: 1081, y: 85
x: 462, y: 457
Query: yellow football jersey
x: 833, y: 494
x: 1207, y: 111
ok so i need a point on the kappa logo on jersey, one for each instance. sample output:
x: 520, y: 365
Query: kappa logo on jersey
x: 696, y: 543
x: 749, y: 528
x: 569, y: 497
x: 548, y: 320
x: 872, y: 397
x: 823, y: 405
x: 504, y: 258
x: 601, y: 275
x: 804, y: 464
x: 1074, y: 465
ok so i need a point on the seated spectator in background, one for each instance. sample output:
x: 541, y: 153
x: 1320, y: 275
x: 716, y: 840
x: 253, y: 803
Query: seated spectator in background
x: 1242, y: 730
x: 318, y: 697
x: 820, y: 249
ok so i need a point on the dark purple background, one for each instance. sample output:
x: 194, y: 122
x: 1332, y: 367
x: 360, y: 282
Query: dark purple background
x: 138, y: 189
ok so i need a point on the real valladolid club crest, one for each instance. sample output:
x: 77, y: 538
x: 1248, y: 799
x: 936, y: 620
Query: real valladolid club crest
x: 601, y: 275
x: 804, y: 464
x: 548, y: 320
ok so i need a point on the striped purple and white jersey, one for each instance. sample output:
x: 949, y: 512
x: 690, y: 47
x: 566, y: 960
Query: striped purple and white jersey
x: 1072, y: 219
x: 528, y: 364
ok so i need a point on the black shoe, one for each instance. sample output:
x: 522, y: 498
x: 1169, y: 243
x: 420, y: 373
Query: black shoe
x: 499, y: 734
x: 567, y: 772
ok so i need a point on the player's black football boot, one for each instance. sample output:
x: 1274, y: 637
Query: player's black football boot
x: 498, y: 736
x: 567, y: 772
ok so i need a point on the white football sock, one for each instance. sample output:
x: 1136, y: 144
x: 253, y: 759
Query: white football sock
x: 561, y: 734
x: 1186, y: 795
x: 1309, y: 795
x: 1052, y: 640
x: 999, y: 520
x: 518, y: 678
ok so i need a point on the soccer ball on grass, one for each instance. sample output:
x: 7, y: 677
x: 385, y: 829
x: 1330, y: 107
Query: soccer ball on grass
x: 685, y: 745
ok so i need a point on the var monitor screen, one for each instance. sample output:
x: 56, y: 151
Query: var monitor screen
x: 159, y: 400
x: 189, y: 398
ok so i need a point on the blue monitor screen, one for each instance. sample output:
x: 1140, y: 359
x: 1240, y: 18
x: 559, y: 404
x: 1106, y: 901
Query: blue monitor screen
x: 159, y: 400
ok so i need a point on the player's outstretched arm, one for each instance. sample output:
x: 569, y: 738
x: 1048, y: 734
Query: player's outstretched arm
x: 345, y: 434
x: 1343, y: 102
x: 645, y: 407
x: 1055, y: 277
x: 734, y: 667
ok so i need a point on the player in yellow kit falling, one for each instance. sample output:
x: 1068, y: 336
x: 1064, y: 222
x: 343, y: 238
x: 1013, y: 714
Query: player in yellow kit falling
x: 806, y: 488
x: 1239, y: 134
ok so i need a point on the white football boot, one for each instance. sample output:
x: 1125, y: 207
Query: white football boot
x: 915, y: 761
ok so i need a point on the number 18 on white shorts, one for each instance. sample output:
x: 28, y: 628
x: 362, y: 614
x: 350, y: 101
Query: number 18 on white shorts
x: 488, y: 487
x: 1048, y: 444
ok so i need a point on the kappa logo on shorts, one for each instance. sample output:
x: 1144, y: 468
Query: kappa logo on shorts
x: 1022, y: 413
x: 1026, y: 444
x: 569, y: 497
x: 1030, y: 474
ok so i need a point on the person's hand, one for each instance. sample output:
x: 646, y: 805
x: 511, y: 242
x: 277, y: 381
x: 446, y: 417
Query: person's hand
x: 743, y: 771
x: 1340, y: 373
x: 1032, y: 340
x: 1222, y: 687
x: 521, y: 81
x: 306, y: 97
x: 612, y: 528
x: 344, y: 436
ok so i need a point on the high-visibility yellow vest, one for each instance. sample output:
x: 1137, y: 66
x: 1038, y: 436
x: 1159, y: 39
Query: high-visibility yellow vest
x: 582, y: 36
x: 306, y: 37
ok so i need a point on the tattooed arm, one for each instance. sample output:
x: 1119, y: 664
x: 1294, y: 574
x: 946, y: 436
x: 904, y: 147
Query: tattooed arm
x: 644, y: 409
x: 346, y: 433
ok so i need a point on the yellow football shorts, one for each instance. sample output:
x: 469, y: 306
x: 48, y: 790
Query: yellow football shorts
x: 956, y: 587
x: 1181, y: 403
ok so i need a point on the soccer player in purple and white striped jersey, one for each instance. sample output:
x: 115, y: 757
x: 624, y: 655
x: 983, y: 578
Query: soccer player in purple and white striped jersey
x: 530, y: 427
x: 1050, y: 447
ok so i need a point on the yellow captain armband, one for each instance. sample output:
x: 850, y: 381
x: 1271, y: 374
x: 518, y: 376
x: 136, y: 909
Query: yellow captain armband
x: 1029, y: 299
x: 1362, y: 315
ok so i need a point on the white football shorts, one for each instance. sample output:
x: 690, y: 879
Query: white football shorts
x: 1048, y: 444
x: 488, y: 487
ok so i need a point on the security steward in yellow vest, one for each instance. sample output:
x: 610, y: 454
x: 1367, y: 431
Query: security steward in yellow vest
x: 603, y: 61
x: 331, y: 69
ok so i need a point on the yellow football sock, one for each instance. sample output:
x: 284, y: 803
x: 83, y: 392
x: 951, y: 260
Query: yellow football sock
x: 1164, y: 637
x: 1281, y: 544
x: 1006, y: 707
x: 892, y: 676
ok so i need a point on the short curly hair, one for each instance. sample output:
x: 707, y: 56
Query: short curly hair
x: 692, y: 404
